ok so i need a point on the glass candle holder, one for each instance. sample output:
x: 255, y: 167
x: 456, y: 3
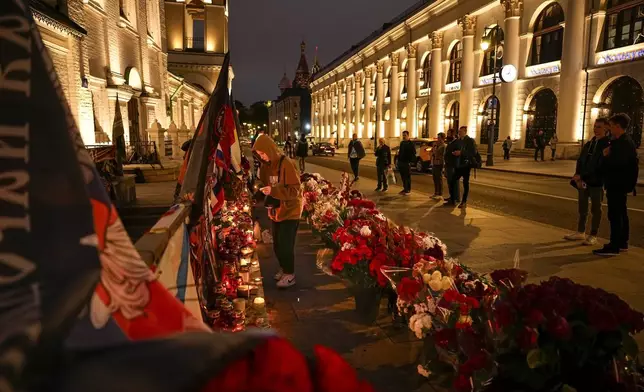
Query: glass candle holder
x: 243, y: 291
x: 259, y: 303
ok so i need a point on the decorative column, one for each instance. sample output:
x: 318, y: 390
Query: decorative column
x: 394, y: 90
x: 380, y: 124
x: 368, y: 73
x: 468, y: 23
x: 358, y: 122
x: 181, y: 121
x: 412, y: 88
x: 349, y: 107
x: 436, y: 84
x: 341, y: 131
x: 513, y: 13
x: 174, y: 134
x: 332, y: 94
x: 570, y: 97
x: 329, y: 109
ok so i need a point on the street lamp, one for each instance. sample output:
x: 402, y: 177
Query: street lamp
x: 491, y: 34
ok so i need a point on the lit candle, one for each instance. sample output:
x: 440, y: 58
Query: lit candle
x: 243, y: 291
x: 244, y: 262
x: 246, y: 208
x: 246, y: 251
x: 254, y: 264
x: 259, y: 303
x: 239, y: 304
x: 257, y: 281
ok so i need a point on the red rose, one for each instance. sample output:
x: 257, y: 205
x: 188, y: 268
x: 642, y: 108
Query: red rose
x: 527, y: 338
x: 408, y: 289
x: 559, y: 328
x: 534, y: 318
x: 504, y: 314
x: 513, y: 277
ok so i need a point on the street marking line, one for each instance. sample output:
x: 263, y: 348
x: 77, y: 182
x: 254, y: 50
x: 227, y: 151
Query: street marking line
x: 542, y: 194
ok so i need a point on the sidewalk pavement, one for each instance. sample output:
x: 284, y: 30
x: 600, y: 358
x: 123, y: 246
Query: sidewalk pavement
x: 561, y: 168
x: 319, y: 309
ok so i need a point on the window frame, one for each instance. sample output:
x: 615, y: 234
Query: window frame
x: 427, y: 71
x: 554, y: 33
x: 488, y: 55
x: 616, y: 13
x: 455, y: 63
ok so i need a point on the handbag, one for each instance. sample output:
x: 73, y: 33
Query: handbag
x: 391, y: 177
x: 270, y: 201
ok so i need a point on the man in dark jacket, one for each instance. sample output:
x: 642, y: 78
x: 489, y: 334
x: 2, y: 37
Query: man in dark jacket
x: 302, y: 152
x: 450, y: 162
x: 539, y: 145
x: 406, y: 156
x: 589, y: 182
x: 619, y: 167
x: 356, y: 153
x: 467, y: 155
x: 383, y: 163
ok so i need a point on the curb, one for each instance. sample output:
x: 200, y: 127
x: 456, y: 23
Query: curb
x: 640, y: 184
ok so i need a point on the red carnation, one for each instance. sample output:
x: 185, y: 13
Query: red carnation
x: 408, y: 289
x: 504, y: 314
x: 534, y: 318
x: 444, y: 337
x: 559, y: 328
x: 462, y: 383
x: 527, y: 338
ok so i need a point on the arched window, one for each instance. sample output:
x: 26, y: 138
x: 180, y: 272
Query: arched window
x: 403, y: 89
x: 547, y: 41
x: 625, y: 95
x: 455, y: 63
x: 424, y: 122
x: 374, y: 92
x: 426, y: 76
x: 389, y: 80
x: 495, y: 38
x: 542, y: 116
x: 452, y: 117
x: 624, y: 23
x: 491, y: 116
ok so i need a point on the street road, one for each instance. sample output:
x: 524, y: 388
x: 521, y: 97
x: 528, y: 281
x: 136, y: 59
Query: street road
x: 538, y: 198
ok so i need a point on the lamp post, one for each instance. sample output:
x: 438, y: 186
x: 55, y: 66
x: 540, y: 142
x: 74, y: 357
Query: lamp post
x: 491, y: 33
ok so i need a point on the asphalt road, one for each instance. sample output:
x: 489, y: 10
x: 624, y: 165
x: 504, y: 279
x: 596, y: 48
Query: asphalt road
x: 538, y: 198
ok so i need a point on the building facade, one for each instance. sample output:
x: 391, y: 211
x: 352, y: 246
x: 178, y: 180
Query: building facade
x: 111, y: 54
x: 427, y: 72
x: 290, y: 113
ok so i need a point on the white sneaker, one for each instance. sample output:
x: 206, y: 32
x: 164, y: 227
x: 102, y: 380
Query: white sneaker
x: 590, y: 240
x: 575, y: 237
x: 278, y: 276
x: 286, y: 281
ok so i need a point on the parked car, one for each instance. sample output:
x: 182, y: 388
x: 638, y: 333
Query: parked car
x: 424, y: 148
x: 323, y: 148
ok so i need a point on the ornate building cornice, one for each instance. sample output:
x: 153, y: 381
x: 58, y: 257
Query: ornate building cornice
x: 368, y: 72
x: 513, y: 8
x: 358, y: 77
x: 42, y: 17
x: 468, y: 24
x: 395, y: 58
x: 437, y: 39
x: 195, y: 66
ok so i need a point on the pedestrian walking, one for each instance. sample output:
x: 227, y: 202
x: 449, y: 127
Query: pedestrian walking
x: 539, y: 145
x: 590, y: 184
x: 302, y: 152
x: 620, y: 170
x: 507, y: 146
x: 554, y: 140
x: 288, y: 147
x: 468, y: 159
x: 383, y: 164
x: 281, y: 182
x: 451, y: 161
x: 438, y: 162
x: 406, y: 156
x: 356, y: 153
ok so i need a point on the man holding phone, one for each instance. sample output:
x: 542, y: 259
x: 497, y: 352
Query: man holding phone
x: 281, y: 181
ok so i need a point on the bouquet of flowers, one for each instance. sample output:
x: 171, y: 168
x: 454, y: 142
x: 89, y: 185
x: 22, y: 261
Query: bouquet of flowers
x: 559, y: 335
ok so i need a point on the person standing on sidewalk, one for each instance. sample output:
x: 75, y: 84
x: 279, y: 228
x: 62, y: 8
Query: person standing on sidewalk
x: 406, y: 156
x: 438, y: 162
x: 302, y: 152
x: 620, y: 169
x: 383, y: 164
x: 590, y: 184
x: 281, y: 182
x: 450, y: 162
x: 539, y: 145
x: 288, y: 147
x: 468, y: 158
x: 507, y: 146
x: 554, y: 140
x: 356, y: 153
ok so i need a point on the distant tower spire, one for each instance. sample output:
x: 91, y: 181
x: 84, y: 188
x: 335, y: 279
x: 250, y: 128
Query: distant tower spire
x: 302, y: 75
x: 316, y: 64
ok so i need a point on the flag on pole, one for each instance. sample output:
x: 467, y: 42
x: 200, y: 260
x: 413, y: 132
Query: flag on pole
x: 70, y: 275
x: 118, y: 137
x: 236, y: 155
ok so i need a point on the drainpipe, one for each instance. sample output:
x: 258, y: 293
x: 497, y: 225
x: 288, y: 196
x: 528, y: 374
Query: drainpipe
x: 588, y: 52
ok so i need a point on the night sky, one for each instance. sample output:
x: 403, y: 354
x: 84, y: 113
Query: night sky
x: 265, y: 37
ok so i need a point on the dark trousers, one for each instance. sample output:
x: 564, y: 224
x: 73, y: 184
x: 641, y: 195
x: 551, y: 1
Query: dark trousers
x: 437, y: 174
x: 539, y: 150
x: 554, y: 153
x: 382, y: 176
x: 284, y: 234
x: 302, y: 165
x: 405, y: 175
x: 464, y: 173
x: 506, y: 154
x: 595, y: 194
x: 355, y: 166
x: 453, y: 185
x: 618, y: 217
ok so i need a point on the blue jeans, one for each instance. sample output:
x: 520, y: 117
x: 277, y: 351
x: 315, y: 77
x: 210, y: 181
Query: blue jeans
x: 453, y: 184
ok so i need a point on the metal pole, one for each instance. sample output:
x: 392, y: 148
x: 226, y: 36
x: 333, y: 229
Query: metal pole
x: 490, y: 140
x: 590, y: 33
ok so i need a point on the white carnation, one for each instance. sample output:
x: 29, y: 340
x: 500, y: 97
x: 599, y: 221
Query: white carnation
x: 365, y: 231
